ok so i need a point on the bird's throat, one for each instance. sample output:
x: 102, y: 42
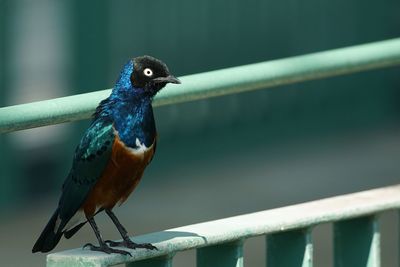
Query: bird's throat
x: 135, y: 121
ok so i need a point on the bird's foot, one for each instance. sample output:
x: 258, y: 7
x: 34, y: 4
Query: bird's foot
x: 130, y: 244
x: 106, y: 249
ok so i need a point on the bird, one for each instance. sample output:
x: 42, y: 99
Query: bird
x: 110, y: 158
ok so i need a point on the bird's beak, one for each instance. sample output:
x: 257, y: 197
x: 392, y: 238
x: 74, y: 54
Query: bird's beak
x: 168, y: 79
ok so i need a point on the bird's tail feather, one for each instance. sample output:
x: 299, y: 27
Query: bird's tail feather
x: 69, y: 233
x: 50, y: 237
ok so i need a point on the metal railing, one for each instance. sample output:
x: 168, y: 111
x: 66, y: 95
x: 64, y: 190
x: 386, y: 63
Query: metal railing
x: 288, y: 230
x: 215, y: 83
x: 288, y: 233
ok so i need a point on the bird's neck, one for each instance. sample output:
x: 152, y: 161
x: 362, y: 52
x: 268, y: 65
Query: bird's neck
x: 132, y: 118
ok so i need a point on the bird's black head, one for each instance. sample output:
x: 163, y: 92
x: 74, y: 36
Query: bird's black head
x: 150, y: 74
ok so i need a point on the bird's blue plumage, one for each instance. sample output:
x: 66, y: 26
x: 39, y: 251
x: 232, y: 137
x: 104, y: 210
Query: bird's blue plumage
x: 124, y: 80
x: 130, y: 110
x: 135, y: 122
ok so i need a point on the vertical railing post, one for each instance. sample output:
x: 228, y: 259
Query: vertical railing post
x: 223, y: 255
x: 292, y: 248
x: 164, y: 261
x: 357, y: 242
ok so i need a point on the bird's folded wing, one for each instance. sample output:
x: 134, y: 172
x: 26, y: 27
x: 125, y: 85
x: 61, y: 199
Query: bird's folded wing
x: 90, y: 159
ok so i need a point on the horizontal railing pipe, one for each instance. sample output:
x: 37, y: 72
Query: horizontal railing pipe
x: 295, y: 220
x: 215, y: 83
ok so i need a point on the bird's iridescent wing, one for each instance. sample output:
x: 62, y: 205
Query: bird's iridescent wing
x: 90, y: 159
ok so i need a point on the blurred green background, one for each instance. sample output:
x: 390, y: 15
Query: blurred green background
x: 215, y: 158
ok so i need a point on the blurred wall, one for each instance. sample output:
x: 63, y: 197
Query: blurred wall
x: 52, y: 49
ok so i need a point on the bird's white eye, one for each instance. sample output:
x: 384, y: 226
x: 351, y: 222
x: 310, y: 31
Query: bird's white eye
x: 148, y: 72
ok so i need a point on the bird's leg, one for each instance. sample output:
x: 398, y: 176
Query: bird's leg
x: 127, y: 242
x: 102, y: 245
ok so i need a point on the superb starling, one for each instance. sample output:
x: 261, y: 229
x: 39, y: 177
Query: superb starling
x: 111, y: 157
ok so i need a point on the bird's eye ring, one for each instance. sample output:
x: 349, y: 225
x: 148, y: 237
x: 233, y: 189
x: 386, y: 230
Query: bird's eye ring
x: 148, y: 72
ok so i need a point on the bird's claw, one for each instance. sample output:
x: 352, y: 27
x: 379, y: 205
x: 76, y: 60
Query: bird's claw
x: 106, y: 249
x: 130, y: 244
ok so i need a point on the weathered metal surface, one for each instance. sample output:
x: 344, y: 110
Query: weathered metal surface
x: 164, y: 261
x: 211, y: 233
x: 291, y: 248
x: 357, y: 242
x: 226, y: 81
x: 222, y: 255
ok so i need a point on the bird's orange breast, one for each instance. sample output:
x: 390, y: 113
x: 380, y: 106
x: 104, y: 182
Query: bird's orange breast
x: 120, y: 177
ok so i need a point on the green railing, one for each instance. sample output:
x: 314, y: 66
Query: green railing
x: 288, y: 233
x: 215, y: 83
x: 288, y: 230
